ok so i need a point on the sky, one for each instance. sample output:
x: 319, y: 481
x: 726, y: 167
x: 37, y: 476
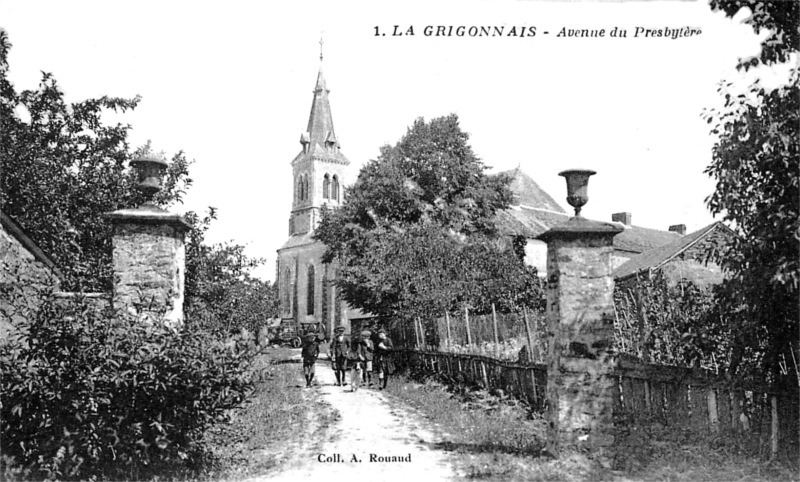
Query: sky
x: 230, y: 83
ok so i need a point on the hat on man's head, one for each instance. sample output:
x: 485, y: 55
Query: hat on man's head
x: 311, y: 336
x: 339, y: 330
x: 381, y: 330
x: 366, y: 333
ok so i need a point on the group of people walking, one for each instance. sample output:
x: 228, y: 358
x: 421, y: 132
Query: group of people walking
x: 366, y: 356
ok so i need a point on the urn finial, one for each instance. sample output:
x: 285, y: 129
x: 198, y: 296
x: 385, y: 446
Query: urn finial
x: 577, y: 186
x: 149, y: 169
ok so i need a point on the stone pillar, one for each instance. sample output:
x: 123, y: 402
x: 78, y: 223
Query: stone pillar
x: 580, y: 322
x: 149, y: 254
x: 149, y: 260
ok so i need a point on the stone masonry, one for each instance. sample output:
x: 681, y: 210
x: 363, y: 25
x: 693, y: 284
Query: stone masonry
x: 149, y: 258
x: 580, y: 320
x: 27, y: 275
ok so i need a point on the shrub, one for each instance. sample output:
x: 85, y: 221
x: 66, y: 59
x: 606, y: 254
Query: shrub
x: 93, y: 394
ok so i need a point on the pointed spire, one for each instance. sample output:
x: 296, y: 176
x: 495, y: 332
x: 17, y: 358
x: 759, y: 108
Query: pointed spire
x: 319, y: 139
x: 320, y: 122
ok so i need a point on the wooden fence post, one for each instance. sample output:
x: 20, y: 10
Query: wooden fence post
x: 496, y: 337
x: 773, y: 399
x: 423, y: 336
x: 536, y: 355
x: 416, y: 335
x: 528, y: 332
x: 466, y: 322
x: 449, y: 335
x: 713, y: 415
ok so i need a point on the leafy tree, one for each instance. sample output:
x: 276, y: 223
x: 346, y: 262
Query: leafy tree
x: 63, y: 168
x: 416, y: 233
x: 221, y: 296
x: 780, y: 18
x: 755, y: 162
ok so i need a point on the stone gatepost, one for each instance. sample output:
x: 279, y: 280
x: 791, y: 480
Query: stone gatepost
x: 580, y: 321
x: 149, y: 253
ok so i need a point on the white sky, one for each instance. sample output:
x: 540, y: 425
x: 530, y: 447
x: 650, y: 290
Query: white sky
x: 231, y: 84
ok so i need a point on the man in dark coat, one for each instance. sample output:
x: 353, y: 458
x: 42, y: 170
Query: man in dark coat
x: 310, y: 352
x: 338, y: 353
x: 382, y: 358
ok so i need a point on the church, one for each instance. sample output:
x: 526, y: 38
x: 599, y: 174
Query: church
x: 306, y: 290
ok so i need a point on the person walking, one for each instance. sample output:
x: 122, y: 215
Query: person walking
x: 338, y: 355
x: 356, y: 359
x: 369, y: 355
x: 309, y: 352
x: 383, y: 358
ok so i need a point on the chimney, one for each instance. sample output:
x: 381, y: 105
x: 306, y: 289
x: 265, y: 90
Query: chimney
x: 678, y: 228
x: 624, y: 218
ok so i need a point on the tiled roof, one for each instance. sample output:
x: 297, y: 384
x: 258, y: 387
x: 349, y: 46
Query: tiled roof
x: 638, y: 240
x: 528, y: 193
x: 531, y: 222
x: 536, y: 211
x: 654, y: 258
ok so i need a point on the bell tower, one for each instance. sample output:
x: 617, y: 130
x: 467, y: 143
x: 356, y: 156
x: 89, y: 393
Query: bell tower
x: 319, y: 167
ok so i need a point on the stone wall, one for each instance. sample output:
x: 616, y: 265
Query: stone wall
x: 24, y: 282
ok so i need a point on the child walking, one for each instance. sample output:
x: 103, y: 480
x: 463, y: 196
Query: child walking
x: 356, y: 359
x: 310, y: 352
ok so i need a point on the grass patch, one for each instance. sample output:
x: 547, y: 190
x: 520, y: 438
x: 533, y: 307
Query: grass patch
x: 274, y: 420
x: 490, y: 437
x: 655, y: 452
x: 497, y: 439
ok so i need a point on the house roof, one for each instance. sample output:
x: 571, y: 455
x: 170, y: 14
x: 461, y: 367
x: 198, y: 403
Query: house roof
x: 16, y: 231
x: 528, y: 193
x: 657, y: 257
x: 536, y: 212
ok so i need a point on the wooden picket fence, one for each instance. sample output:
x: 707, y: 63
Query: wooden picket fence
x: 693, y: 399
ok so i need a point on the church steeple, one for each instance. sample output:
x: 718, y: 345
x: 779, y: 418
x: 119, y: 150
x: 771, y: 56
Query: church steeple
x: 320, y: 133
x: 319, y: 169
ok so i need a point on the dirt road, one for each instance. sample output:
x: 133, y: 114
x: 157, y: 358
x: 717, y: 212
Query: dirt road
x: 372, y: 440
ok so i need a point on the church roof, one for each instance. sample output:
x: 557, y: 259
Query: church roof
x: 536, y: 212
x: 299, y: 240
x: 319, y: 140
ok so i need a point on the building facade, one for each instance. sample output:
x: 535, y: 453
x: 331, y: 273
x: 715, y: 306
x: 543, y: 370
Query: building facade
x: 305, y: 285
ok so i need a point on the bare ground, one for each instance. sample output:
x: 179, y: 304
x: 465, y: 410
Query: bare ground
x: 368, y: 427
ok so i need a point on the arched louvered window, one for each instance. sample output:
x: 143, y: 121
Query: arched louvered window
x: 305, y: 186
x: 310, y: 301
x: 326, y: 187
x: 297, y: 187
x: 335, y: 188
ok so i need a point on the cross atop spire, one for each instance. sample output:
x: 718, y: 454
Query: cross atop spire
x: 320, y: 47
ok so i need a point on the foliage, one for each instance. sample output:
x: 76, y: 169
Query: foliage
x: 755, y: 162
x: 220, y: 293
x: 63, y: 168
x: 659, y: 321
x: 90, y: 394
x: 416, y: 233
x: 781, y: 18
